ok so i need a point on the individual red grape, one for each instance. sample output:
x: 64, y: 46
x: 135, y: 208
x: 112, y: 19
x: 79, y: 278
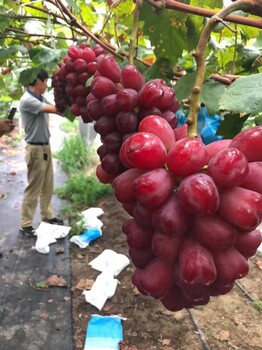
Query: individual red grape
x: 109, y: 105
x: 141, y: 258
x: 136, y: 276
x: 111, y: 164
x: 187, y: 156
x: 124, y: 185
x: 137, y: 236
x: 176, y: 300
x: 113, y: 142
x: 248, y: 242
x: 230, y: 265
x: 171, y: 219
x: 241, y: 207
x: 157, y: 278
x: 80, y: 65
x: 143, y: 215
x: 103, y: 176
x: 150, y: 94
x: 159, y: 127
x: 214, y: 233
x: 196, y: 264
x: 132, y: 78
x: 145, y: 151
x: 105, y: 126
x: 249, y: 141
x: 228, y: 168
x: 94, y: 109
x: 198, y: 194
x: 126, y: 122
x: 166, y: 247
x: 214, y: 147
x: 167, y: 99
x: 109, y: 68
x: 127, y: 100
x: 72, y: 78
x: 220, y: 288
x: 88, y: 54
x: 251, y: 181
x: 102, y: 86
x: 74, y: 52
x: 153, y: 187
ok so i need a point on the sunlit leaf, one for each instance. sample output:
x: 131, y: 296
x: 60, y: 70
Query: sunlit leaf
x: 243, y: 96
x: 167, y: 32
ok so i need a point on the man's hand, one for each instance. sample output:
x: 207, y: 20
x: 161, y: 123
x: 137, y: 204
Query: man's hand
x: 6, y: 126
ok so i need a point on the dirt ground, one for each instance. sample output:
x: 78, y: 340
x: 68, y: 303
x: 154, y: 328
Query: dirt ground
x: 227, y: 322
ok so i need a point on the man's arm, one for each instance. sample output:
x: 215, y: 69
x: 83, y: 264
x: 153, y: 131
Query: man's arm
x: 48, y: 108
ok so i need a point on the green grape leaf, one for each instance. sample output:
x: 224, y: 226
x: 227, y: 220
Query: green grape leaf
x: 44, y: 55
x: 243, y: 96
x: 166, y: 31
x: 162, y: 68
x: 28, y: 75
x: 210, y: 95
x: 183, y: 87
x: 231, y: 125
x: 68, y: 115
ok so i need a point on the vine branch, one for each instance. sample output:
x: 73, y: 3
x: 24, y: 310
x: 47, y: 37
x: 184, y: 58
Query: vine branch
x: 133, y: 36
x: 176, y: 5
x: 200, y: 53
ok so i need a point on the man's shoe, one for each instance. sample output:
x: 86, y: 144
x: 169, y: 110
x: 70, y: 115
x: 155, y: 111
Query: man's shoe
x: 55, y: 221
x: 27, y: 231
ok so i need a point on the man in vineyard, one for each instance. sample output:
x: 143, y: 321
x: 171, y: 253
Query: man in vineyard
x: 34, y: 110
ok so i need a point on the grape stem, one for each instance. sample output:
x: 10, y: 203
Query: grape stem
x: 133, y: 36
x: 200, y: 56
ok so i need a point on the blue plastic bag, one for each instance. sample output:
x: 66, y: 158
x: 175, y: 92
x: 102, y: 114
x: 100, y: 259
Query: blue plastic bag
x: 104, y: 333
x: 87, y: 237
x: 207, y: 125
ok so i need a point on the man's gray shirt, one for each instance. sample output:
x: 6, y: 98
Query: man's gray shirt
x: 34, y: 122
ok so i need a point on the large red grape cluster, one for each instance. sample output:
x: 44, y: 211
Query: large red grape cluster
x: 119, y: 100
x: 194, y: 211
x: 69, y: 82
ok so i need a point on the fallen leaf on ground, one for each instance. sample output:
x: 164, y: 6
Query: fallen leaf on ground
x: 56, y: 281
x: 107, y: 307
x: 84, y: 284
x: 223, y: 335
x: 13, y: 172
x: 60, y: 250
x: 125, y: 345
x: 3, y: 196
x: 44, y: 315
x: 51, y: 281
x: 166, y: 341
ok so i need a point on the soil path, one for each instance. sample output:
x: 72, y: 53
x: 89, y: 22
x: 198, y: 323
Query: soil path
x: 32, y: 317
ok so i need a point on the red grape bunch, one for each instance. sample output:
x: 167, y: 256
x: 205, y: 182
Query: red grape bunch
x: 194, y: 211
x: 119, y: 100
x: 69, y: 82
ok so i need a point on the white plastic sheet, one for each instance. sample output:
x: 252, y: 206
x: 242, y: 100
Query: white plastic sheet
x: 48, y: 234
